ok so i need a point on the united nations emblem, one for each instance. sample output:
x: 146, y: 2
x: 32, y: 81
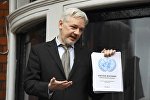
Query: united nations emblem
x: 107, y: 64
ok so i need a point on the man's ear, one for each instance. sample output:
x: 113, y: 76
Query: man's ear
x: 60, y: 24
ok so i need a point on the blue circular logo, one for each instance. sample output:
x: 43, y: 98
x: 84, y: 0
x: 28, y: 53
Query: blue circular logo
x: 107, y: 64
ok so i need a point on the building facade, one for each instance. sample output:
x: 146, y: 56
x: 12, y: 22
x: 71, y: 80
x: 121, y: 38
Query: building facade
x: 119, y: 24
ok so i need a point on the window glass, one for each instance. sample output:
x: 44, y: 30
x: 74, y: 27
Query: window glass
x: 132, y: 38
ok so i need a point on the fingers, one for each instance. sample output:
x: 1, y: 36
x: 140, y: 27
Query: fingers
x: 64, y: 85
x: 59, y: 85
x: 112, y: 52
x: 53, y: 80
x: 108, y: 53
x: 103, y: 50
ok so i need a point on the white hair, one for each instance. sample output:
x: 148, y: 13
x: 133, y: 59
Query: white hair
x: 74, y: 12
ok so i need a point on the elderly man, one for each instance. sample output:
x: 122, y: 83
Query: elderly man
x: 61, y: 69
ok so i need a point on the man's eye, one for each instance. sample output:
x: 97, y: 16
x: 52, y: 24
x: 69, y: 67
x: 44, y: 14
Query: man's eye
x: 73, y: 27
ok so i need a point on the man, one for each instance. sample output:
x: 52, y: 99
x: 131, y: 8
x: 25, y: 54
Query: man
x: 45, y: 75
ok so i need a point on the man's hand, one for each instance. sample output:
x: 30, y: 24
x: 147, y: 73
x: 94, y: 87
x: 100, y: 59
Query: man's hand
x: 108, y: 53
x: 58, y: 85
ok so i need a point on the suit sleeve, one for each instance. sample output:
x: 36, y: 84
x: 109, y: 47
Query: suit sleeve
x: 32, y: 81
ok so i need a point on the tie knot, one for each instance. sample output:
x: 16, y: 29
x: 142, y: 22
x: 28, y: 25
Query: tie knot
x: 65, y: 47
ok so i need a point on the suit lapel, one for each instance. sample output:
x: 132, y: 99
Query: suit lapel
x: 52, y: 48
x: 76, y: 62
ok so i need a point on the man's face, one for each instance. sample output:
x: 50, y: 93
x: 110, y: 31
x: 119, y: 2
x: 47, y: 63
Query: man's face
x: 71, y: 30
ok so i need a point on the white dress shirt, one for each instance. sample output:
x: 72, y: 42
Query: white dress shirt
x: 61, y: 51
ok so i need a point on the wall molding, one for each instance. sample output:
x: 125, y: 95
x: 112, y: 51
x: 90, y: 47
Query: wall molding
x: 29, y: 13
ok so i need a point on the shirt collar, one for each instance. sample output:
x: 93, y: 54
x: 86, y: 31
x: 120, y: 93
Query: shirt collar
x: 59, y: 43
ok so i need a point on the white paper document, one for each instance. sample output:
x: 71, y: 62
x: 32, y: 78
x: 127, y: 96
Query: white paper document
x: 107, y: 73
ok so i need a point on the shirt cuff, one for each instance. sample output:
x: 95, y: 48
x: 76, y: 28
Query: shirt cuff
x: 50, y: 93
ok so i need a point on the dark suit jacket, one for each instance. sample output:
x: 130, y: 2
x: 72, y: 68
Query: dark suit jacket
x: 44, y: 63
